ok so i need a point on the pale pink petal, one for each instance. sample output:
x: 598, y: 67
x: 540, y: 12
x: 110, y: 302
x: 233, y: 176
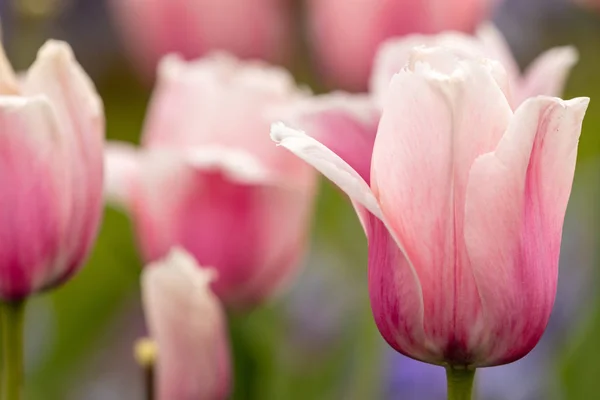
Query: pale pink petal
x: 121, y: 171
x: 346, y: 124
x: 233, y: 225
x: 33, y: 205
x: 433, y: 127
x: 515, y: 206
x: 79, y: 110
x: 497, y: 48
x: 225, y: 102
x: 187, y: 323
x: 548, y: 73
x: 328, y: 163
x: 395, y: 53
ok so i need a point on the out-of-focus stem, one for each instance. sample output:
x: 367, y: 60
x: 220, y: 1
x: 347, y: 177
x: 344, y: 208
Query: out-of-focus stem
x: 12, y: 316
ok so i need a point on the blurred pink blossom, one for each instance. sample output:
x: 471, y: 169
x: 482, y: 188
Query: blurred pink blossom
x: 152, y: 29
x: 462, y: 200
x: 186, y: 322
x: 209, y: 179
x: 52, y: 132
x: 345, y: 34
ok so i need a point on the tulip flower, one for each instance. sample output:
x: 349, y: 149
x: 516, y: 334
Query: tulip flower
x: 52, y: 131
x: 463, y: 205
x: 547, y: 74
x: 186, y: 323
x: 192, y: 28
x: 346, y: 34
x: 52, y: 127
x: 531, y: 377
x: 208, y: 179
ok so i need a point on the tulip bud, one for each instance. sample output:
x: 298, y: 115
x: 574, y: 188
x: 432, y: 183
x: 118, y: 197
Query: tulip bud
x: 365, y: 24
x: 52, y: 131
x: 187, y: 325
x: 463, y: 207
x: 209, y: 180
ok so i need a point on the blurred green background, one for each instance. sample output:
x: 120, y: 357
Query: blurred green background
x: 318, y: 339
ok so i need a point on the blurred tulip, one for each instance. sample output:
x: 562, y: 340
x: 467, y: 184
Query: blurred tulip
x: 209, y: 179
x: 52, y: 132
x: 346, y: 34
x: 547, y: 75
x: 186, y: 322
x: 462, y: 201
x: 192, y: 28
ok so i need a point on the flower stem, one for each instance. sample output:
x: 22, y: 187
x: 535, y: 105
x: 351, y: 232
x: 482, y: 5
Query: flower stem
x: 460, y: 383
x: 12, y: 316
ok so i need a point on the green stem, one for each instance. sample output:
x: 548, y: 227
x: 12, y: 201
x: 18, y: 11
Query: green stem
x: 12, y: 315
x: 460, y: 383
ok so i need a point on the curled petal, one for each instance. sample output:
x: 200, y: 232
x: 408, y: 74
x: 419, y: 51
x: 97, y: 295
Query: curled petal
x: 346, y: 124
x: 329, y: 164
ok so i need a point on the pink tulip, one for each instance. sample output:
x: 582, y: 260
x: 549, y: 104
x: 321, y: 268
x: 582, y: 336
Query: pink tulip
x: 186, y: 321
x: 547, y: 74
x: 209, y: 179
x: 192, y: 28
x: 462, y: 201
x: 346, y: 33
x: 52, y: 132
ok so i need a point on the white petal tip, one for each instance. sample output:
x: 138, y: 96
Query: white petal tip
x: 56, y: 49
x: 180, y: 261
x: 280, y: 132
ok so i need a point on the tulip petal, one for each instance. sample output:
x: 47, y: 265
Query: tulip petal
x: 395, y: 54
x: 235, y: 226
x: 346, y: 124
x: 497, y: 48
x: 79, y: 111
x: 33, y: 206
x: 548, y: 73
x: 515, y: 206
x: 121, y: 172
x: 187, y: 323
x: 395, y: 293
x: 222, y: 101
x: 328, y: 163
x: 432, y: 128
